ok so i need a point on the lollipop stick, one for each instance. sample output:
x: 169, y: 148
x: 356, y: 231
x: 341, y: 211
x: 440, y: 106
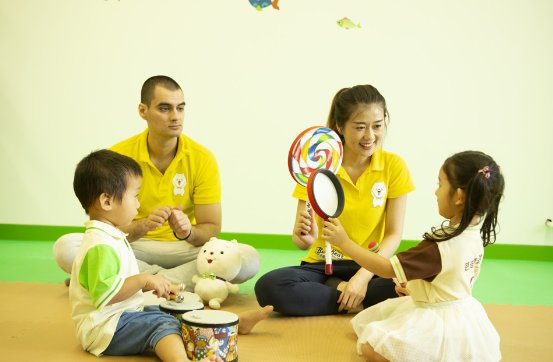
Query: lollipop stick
x: 308, y: 207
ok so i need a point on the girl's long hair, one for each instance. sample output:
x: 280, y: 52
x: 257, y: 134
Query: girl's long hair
x: 479, y: 176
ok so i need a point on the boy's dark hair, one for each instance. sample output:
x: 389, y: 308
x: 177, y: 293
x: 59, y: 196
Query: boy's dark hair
x: 103, y: 171
x: 479, y: 176
x: 147, y: 92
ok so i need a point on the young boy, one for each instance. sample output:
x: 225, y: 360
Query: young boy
x: 106, y: 287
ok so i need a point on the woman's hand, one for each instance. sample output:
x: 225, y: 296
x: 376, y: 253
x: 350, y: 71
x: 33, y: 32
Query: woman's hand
x: 305, y: 228
x: 354, y: 293
x: 334, y: 232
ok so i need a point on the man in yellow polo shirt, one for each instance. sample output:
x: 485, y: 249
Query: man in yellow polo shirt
x: 180, y: 196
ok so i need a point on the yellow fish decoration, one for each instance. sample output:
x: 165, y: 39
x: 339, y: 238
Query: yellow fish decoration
x: 347, y: 23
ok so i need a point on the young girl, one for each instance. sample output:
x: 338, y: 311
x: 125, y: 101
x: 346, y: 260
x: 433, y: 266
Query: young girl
x: 375, y: 184
x: 440, y: 320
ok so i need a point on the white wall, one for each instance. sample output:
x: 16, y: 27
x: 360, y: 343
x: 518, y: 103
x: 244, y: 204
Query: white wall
x: 456, y: 74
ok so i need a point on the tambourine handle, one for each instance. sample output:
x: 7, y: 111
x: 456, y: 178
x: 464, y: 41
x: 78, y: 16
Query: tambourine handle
x: 328, y: 257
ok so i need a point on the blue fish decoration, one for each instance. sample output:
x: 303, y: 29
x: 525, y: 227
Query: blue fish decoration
x: 261, y: 4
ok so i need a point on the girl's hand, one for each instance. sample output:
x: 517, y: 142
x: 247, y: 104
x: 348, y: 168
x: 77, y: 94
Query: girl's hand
x: 160, y: 286
x: 402, y: 290
x: 305, y: 228
x: 334, y: 232
x: 353, y: 294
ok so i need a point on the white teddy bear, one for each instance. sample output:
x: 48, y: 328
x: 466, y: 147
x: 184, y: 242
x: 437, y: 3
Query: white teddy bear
x: 220, y: 264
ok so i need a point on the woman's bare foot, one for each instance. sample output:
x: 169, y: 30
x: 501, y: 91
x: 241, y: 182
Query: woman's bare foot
x: 247, y: 320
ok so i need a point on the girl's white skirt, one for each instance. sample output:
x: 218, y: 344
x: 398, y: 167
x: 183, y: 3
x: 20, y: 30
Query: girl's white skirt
x: 401, y: 330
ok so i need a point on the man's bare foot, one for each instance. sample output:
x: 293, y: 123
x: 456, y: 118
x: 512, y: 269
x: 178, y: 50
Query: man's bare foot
x: 247, y: 320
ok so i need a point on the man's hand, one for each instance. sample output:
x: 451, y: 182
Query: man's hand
x: 139, y: 228
x: 179, y: 222
x: 157, y: 217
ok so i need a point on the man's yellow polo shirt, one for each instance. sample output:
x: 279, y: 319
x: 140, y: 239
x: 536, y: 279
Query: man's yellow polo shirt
x: 364, y: 215
x: 191, y: 178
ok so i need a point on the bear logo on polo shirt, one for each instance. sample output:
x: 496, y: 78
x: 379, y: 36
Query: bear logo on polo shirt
x: 179, y: 182
x: 379, y: 193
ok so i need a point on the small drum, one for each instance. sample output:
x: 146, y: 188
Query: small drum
x: 176, y: 309
x: 207, y: 332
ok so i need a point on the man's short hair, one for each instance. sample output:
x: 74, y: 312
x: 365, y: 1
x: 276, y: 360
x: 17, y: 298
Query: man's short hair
x: 103, y: 171
x: 147, y: 92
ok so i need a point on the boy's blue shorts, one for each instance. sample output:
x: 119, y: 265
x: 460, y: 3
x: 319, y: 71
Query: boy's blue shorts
x: 140, y: 331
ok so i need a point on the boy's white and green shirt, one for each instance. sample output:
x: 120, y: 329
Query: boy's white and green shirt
x: 105, y: 259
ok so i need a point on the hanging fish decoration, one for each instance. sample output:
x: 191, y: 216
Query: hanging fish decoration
x: 347, y: 23
x: 260, y: 4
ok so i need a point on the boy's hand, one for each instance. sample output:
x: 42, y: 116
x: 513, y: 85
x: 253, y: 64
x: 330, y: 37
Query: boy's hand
x: 160, y: 286
x: 334, y: 232
x: 175, y: 291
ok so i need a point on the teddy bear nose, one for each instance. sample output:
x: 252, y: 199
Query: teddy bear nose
x: 211, y: 253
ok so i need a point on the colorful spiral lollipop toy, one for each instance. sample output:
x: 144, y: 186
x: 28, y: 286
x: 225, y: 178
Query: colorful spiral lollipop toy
x: 315, y: 148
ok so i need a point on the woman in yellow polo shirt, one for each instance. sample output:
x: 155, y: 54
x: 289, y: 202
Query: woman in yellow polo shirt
x: 376, y: 184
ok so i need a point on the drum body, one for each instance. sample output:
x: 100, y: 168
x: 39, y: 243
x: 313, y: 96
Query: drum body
x: 207, y: 332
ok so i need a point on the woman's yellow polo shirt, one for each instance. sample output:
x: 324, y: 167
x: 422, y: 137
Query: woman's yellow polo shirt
x: 364, y: 215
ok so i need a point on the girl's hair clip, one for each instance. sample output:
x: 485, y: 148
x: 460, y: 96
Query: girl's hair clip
x: 485, y: 171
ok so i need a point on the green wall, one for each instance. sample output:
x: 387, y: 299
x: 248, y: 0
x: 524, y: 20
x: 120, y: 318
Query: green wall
x: 272, y: 241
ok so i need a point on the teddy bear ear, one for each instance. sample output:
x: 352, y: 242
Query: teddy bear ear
x: 234, y: 241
